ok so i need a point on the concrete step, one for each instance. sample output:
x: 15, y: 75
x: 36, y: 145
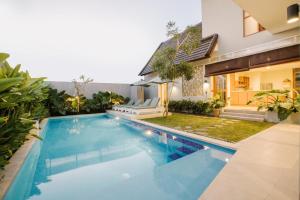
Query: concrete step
x: 244, y: 111
x: 240, y: 114
x: 258, y: 119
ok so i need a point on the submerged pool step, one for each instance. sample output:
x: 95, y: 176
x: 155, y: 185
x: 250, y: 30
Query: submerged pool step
x: 174, y: 156
x: 185, y: 150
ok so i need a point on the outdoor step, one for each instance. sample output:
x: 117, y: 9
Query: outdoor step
x: 260, y: 119
x: 244, y: 114
x: 244, y: 111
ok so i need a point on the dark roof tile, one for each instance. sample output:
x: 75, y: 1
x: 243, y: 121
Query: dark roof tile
x: 203, y: 51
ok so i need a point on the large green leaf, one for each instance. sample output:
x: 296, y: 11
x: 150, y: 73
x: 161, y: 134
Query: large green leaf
x: 6, y: 83
x: 3, y: 57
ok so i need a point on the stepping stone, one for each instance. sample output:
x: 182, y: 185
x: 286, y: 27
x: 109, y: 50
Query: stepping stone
x: 202, y: 130
x: 211, y: 127
x: 218, y: 125
x: 230, y: 122
x: 177, y: 127
x: 188, y: 127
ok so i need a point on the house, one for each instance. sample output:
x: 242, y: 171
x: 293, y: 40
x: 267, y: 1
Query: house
x: 182, y: 88
x: 250, y: 50
x: 256, y: 50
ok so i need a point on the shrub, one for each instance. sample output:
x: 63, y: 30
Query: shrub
x: 60, y: 103
x: 188, y: 106
x: 22, y: 100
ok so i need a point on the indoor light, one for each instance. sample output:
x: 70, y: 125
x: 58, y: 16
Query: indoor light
x: 205, y: 87
x: 292, y: 13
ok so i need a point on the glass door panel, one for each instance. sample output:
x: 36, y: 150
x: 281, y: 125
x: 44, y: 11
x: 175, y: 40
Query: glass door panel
x: 296, y: 81
x: 220, y: 86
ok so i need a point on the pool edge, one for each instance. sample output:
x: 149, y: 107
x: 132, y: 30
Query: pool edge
x: 10, y: 171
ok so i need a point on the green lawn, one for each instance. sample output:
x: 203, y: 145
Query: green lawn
x: 220, y: 128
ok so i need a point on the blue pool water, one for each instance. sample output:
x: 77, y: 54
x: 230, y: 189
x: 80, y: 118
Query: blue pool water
x: 103, y: 157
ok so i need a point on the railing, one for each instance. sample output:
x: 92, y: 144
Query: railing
x: 275, y: 44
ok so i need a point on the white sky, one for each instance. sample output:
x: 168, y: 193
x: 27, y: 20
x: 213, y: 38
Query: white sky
x: 107, y: 40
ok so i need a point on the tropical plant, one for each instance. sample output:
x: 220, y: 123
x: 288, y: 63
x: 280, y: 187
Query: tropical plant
x: 21, y: 103
x: 102, y: 101
x: 216, y: 102
x: 278, y: 101
x: 56, y: 102
x: 165, y: 60
x: 79, y: 86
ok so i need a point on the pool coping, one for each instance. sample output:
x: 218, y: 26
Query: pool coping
x: 10, y: 171
x: 221, y: 143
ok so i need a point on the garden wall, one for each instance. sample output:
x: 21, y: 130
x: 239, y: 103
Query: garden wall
x: 119, y: 88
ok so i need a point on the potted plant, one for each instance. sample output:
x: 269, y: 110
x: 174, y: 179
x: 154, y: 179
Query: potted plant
x: 293, y: 106
x: 278, y: 104
x: 216, y: 104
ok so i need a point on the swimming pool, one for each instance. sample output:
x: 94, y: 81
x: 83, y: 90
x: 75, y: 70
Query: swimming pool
x: 104, y: 157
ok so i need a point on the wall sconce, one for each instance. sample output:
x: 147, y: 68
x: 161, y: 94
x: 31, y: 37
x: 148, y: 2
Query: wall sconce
x: 286, y: 83
x: 293, y: 13
x: 205, y: 87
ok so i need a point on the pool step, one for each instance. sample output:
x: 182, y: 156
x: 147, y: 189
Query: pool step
x: 174, y: 156
x: 180, y: 152
x: 245, y: 114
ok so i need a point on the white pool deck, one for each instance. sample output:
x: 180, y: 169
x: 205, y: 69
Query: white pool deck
x: 265, y: 166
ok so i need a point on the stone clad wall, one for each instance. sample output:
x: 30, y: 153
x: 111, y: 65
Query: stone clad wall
x: 194, y: 87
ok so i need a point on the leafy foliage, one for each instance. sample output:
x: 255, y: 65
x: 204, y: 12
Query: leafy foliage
x: 165, y: 63
x: 216, y: 102
x: 187, y: 106
x: 278, y: 101
x: 22, y: 101
x: 60, y: 103
x: 56, y: 102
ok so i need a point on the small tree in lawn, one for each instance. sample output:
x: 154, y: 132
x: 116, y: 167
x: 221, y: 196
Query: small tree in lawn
x: 79, y: 86
x: 165, y: 63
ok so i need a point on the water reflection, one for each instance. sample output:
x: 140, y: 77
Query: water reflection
x: 114, y: 150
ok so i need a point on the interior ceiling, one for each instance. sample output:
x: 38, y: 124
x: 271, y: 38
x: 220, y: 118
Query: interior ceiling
x: 271, y: 14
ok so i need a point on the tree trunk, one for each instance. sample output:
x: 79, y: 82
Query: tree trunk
x: 168, y: 99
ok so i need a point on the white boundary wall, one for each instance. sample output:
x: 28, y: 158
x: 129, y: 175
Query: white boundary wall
x: 119, y: 88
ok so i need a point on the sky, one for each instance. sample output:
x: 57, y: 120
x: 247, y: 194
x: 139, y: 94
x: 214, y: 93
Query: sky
x: 109, y: 41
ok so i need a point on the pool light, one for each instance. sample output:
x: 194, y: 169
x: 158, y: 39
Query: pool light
x: 206, y: 148
x: 148, y: 132
x: 117, y: 118
x: 227, y: 160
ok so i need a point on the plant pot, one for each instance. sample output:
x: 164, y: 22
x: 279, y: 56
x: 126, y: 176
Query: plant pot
x: 294, y: 118
x: 272, y: 116
x: 216, y: 112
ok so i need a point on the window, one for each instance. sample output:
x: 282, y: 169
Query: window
x: 251, y: 26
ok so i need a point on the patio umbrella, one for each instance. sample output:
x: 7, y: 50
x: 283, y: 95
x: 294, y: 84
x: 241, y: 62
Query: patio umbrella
x: 158, y: 80
x: 140, y: 83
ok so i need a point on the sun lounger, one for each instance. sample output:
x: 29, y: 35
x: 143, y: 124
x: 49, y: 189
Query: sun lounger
x: 146, y: 103
x: 123, y: 108
x: 130, y: 103
x: 152, y: 108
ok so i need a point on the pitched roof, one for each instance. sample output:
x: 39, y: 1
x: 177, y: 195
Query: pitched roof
x: 203, y: 51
